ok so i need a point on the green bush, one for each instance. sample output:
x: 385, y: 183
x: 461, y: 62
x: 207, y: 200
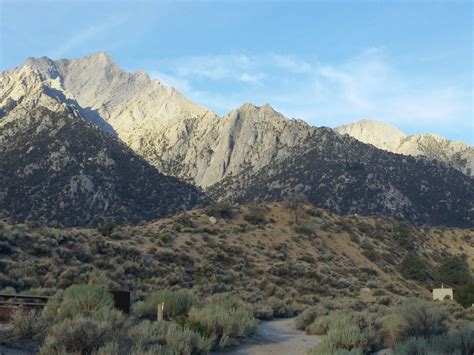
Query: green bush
x: 459, y: 342
x: 255, y: 215
x: 176, y: 303
x: 79, y: 335
x: 109, y: 315
x: 29, y: 325
x: 343, y: 337
x: 321, y: 325
x: 107, y: 228
x: 177, y: 340
x: 464, y: 295
x: 79, y: 299
x: 415, y: 318
x: 147, y: 333
x: 225, y: 319
x: 305, y: 318
x: 185, y: 341
x: 403, y: 234
x: 413, y: 267
x: 454, y: 271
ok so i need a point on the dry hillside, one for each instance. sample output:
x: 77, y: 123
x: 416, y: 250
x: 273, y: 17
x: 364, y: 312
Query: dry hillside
x: 278, y: 255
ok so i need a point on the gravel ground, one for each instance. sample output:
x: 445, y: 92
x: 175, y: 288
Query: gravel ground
x: 275, y: 337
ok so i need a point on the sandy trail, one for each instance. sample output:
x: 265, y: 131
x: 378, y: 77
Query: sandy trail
x: 275, y: 337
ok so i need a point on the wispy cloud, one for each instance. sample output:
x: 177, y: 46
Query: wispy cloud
x: 176, y: 82
x: 86, y: 34
x: 367, y: 85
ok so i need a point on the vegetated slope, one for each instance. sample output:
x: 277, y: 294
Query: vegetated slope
x: 265, y: 253
x: 384, y: 136
x: 58, y: 168
x: 345, y: 176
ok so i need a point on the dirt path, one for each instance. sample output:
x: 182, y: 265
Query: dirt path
x: 275, y: 337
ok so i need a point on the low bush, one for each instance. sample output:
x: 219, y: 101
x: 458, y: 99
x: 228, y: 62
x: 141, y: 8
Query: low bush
x: 176, y: 303
x: 79, y: 335
x: 106, y: 228
x: 464, y: 295
x: 459, y: 342
x: 255, y: 215
x: 414, y: 318
x: 453, y: 271
x: 79, y: 299
x: 413, y: 267
x: 308, y: 316
x: 174, y: 339
x: 29, y: 324
x: 225, y: 319
x: 343, y: 337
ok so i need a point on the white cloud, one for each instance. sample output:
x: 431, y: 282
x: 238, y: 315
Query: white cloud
x: 291, y: 63
x: 214, y: 67
x: 178, y: 83
x: 368, y: 85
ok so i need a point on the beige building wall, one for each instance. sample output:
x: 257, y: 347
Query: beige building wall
x: 441, y: 293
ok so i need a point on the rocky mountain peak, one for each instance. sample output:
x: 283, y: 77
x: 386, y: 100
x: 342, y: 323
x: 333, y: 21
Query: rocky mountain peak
x: 387, y: 137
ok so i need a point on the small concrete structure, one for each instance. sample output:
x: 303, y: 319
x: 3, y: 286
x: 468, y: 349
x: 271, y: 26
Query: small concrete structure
x: 442, y: 293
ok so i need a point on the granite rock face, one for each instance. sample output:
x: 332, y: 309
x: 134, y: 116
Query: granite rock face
x: 57, y: 167
x: 387, y: 137
x: 249, y: 154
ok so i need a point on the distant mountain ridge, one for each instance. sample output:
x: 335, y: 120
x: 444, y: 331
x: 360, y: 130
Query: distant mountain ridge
x: 388, y: 137
x: 56, y: 167
x: 229, y: 156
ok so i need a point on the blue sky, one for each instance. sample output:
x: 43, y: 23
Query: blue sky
x: 409, y: 63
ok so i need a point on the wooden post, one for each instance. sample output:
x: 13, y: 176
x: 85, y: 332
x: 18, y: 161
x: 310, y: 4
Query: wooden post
x: 159, y: 314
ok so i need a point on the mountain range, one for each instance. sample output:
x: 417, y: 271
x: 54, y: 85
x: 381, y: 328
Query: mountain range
x: 174, y: 152
x: 384, y: 136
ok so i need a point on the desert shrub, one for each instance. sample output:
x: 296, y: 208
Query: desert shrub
x: 5, y: 248
x: 224, y: 320
x: 464, y: 295
x: 147, y: 333
x: 177, y: 339
x: 306, y: 228
x: 109, y: 348
x: 185, y: 341
x: 51, y: 309
x: 320, y: 325
x: 221, y: 210
x: 109, y: 315
x: 284, y: 308
x: 403, y: 234
x: 79, y: 299
x: 305, y: 318
x: 414, y: 318
x: 255, y: 215
x: 263, y: 311
x: 314, y: 212
x: 106, y: 228
x: 29, y: 325
x: 453, y: 271
x: 176, y: 303
x: 455, y: 342
x: 79, y: 335
x: 343, y: 337
x: 413, y: 267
